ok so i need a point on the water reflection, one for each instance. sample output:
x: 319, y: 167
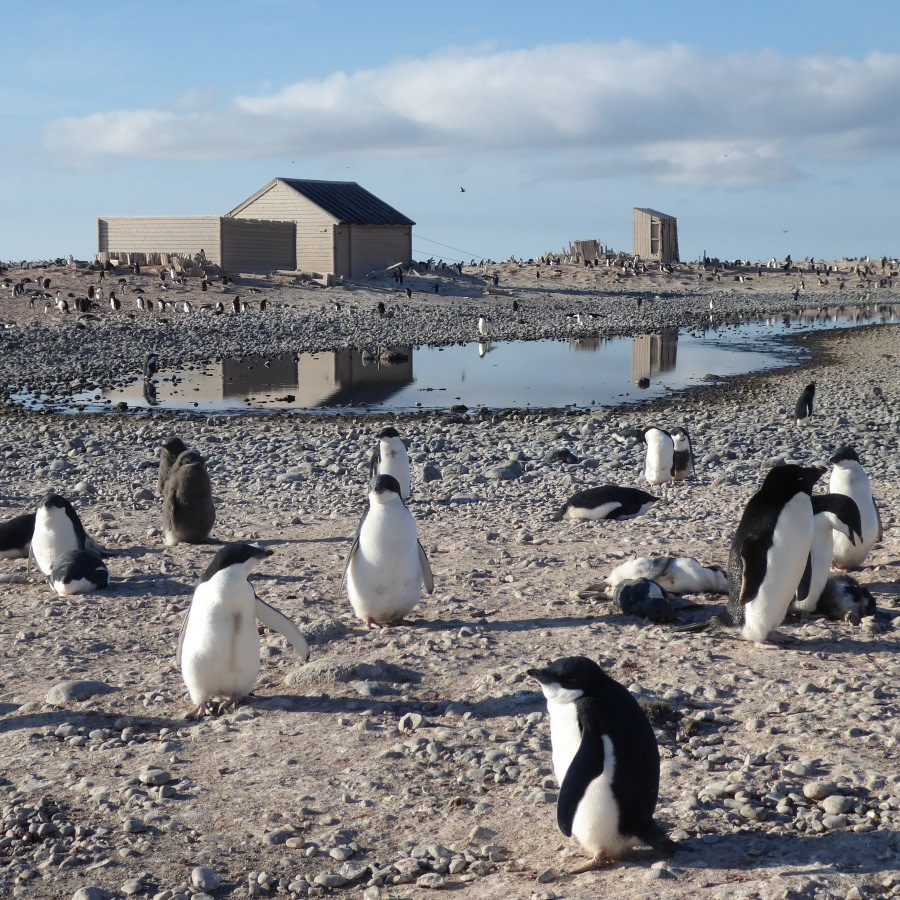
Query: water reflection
x: 653, y: 353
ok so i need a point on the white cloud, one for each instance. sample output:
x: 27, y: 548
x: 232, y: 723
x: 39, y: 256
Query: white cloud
x: 672, y: 114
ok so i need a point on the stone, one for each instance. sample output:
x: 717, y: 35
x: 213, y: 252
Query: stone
x: 77, y: 691
x: 204, y: 878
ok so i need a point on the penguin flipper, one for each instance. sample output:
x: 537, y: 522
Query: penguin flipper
x: 806, y: 580
x: 374, y: 461
x: 353, y: 548
x: 427, y: 577
x: 841, y: 510
x: 654, y: 836
x: 880, y: 535
x: 277, y: 621
x: 586, y: 765
x: 181, y: 635
x: 754, y: 550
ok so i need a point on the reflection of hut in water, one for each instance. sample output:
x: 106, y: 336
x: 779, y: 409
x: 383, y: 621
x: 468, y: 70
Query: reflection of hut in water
x: 651, y: 353
x: 352, y: 376
x: 591, y: 344
x: 253, y: 376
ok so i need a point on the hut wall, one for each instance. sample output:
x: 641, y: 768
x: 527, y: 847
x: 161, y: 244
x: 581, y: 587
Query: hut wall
x: 174, y: 235
x: 253, y: 245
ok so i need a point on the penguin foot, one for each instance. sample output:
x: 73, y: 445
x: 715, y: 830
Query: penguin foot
x: 598, y: 860
x: 371, y: 623
x: 199, y: 711
x: 776, y: 637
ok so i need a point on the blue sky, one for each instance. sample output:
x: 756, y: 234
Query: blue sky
x: 767, y: 127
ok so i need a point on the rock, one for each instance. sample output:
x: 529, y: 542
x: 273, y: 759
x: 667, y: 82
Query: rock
x: 430, y: 880
x: 410, y: 722
x: 91, y: 893
x: 546, y: 876
x: 431, y: 473
x: 819, y: 790
x: 835, y: 804
x: 204, y: 879
x: 76, y: 691
x: 154, y: 777
x: 508, y: 472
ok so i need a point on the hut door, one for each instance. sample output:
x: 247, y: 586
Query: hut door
x: 654, y: 239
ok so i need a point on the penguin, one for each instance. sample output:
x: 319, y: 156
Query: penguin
x: 15, y: 536
x: 484, y: 326
x: 218, y: 647
x: 78, y: 572
x: 804, y: 408
x: 831, y: 512
x: 845, y: 599
x: 151, y: 365
x: 683, y: 454
x: 659, y: 463
x: 57, y: 531
x: 609, y: 501
x: 848, y: 477
x: 172, y: 448
x: 386, y: 566
x: 188, y: 511
x: 381, y: 308
x: 262, y: 305
x: 605, y: 759
x: 677, y: 574
x: 645, y: 599
x: 770, y: 552
x: 236, y: 304
x: 390, y: 458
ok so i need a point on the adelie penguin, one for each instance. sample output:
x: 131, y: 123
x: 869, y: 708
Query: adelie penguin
x: 677, y: 574
x: 78, y: 572
x: 849, y: 478
x: 659, y: 462
x: 605, y: 759
x: 682, y: 455
x: 390, y: 458
x: 57, y: 532
x: 188, y: 513
x: 218, y: 647
x: 609, y: 501
x: 386, y: 566
x: 645, y: 599
x: 15, y: 536
x: 804, y: 407
x: 845, y: 599
x: 172, y: 448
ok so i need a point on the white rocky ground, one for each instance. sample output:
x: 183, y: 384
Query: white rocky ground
x: 401, y: 762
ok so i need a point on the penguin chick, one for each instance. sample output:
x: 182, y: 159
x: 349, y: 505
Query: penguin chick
x: 605, y: 759
x: 15, y: 536
x: 218, y: 647
x: 188, y: 513
x: 386, y: 566
x: 391, y: 458
x: 682, y: 455
x: 845, y: 599
x: 645, y: 599
x: 171, y: 450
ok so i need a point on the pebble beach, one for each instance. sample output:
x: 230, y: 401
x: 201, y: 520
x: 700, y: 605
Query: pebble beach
x: 415, y: 760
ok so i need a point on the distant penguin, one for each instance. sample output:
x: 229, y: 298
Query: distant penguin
x: 188, y: 513
x: 151, y: 365
x: 609, y: 501
x: 845, y: 599
x: 831, y: 512
x: 645, y: 599
x: 236, y: 304
x: 386, y: 566
x: 683, y: 454
x: 115, y: 304
x: 408, y: 292
x: 804, y: 408
x: 676, y: 574
x: 78, y: 572
x: 262, y: 305
x: 484, y: 326
x: 848, y: 477
x: 15, y: 536
x: 172, y: 448
x: 770, y: 550
x: 218, y: 647
x: 390, y: 458
x: 659, y: 462
x: 57, y: 531
x: 605, y: 759
x: 381, y: 308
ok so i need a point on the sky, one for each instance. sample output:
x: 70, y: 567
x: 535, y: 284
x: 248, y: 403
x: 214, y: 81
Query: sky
x: 765, y: 127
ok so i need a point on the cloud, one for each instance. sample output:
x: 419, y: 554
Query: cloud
x: 673, y: 114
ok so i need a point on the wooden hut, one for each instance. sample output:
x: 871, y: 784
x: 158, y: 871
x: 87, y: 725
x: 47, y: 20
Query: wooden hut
x: 654, y: 235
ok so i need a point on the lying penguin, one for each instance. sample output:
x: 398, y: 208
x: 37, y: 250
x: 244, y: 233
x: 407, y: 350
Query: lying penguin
x: 677, y: 574
x: 609, y: 501
x: 645, y: 599
x: 844, y: 599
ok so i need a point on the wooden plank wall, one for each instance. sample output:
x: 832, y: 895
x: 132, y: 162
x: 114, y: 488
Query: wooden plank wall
x: 375, y: 247
x: 254, y: 245
x: 174, y: 235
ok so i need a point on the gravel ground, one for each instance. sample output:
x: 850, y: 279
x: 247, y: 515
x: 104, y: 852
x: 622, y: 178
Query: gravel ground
x: 414, y: 760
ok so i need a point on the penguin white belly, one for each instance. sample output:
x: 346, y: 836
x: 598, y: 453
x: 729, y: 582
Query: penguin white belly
x: 592, y: 513
x: 395, y: 462
x: 855, y: 485
x: 820, y: 558
x: 384, y: 578
x: 54, y: 536
x: 785, y: 564
x: 76, y: 586
x: 659, y: 459
x: 220, y: 653
x: 685, y: 575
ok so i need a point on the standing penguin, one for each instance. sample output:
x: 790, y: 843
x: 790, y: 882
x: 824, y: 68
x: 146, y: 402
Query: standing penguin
x: 831, y: 512
x: 218, y: 647
x: 804, y: 408
x: 848, y: 477
x: 659, y: 463
x: 683, y: 454
x: 387, y: 565
x: 57, y: 531
x: 172, y: 448
x: 390, y: 458
x: 769, y: 557
x: 188, y: 512
x: 605, y: 759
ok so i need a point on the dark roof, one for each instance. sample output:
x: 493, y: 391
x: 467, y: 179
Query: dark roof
x: 654, y: 212
x: 348, y: 202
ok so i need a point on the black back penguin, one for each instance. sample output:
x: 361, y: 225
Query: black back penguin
x: 15, y: 536
x: 682, y: 455
x: 386, y: 566
x: 78, y: 572
x: 57, y: 531
x: 659, y: 462
x: 218, y: 647
x: 391, y: 458
x: 804, y: 407
x: 609, y: 501
x: 172, y: 448
x: 769, y: 559
x: 849, y: 478
x: 605, y: 759
x: 188, y: 513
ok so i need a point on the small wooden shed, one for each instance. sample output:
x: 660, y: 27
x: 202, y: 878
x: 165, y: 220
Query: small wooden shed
x: 654, y: 235
x: 342, y: 228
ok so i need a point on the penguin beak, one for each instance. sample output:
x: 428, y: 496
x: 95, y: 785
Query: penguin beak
x: 539, y: 675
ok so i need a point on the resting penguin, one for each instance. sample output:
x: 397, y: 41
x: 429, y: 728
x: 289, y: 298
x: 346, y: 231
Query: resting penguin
x: 218, y: 647
x: 831, y: 512
x: 387, y: 565
x: 678, y: 574
x: 659, y: 463
x: 845, y: 599
x: 645, y: 599
x: 78, y: 572
x: 188, y: 512
x: 390, y: 458
x: 605, y: 759
x: 609, y: 501
x: 172, y: 448
x: 849, y: 478
x: 57, y: 531
x: 15, y: 536
x: 804, y: 408
x: 683, y: 455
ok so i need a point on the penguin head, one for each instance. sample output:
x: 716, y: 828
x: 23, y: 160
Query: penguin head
x: 844, y: 454
x: 244, y: 556
x: 54, y: 501
x: 388, y: 433
x: 654, y: 435
x: 382, y: 489
x: 567, y: 679
x: 681, y: 438
x: 787, y: 480
x: 175, y: 446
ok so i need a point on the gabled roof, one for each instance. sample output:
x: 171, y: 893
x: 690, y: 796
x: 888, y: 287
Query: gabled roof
x: 346, y: 201
x: 653, y: 212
